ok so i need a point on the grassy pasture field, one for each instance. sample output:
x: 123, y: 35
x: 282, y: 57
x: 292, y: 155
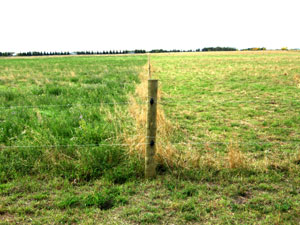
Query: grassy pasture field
x: 224, y: 101
x: 67, y: 102
x: 231, y: 141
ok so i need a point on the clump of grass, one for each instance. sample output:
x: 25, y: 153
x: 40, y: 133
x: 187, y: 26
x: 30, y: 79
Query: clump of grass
x: 235, y: 157
x: 128, y: 170
x: 7, y: 95
x: 297, y: 80
x: 166, y: 154
x: 106, y: 199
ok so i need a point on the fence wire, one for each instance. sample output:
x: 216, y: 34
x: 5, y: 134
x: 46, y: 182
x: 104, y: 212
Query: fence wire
x: 200, y: 102
x: 164, y: 101
x: 68, y: 105
x: 66, y: 146
x: 297, y: 142
x: 161, y: 102
x: 236, y: 142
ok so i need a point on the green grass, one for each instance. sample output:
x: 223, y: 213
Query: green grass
x: 251, y: 99
x: 219, y: 197
x: 61, y: 101
x: 102, y: 185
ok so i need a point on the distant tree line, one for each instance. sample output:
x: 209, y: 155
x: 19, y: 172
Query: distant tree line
x: 214, y: 49
x: 169, y: 51
x: 136, y: 51
x: 139, y: 51
x: 206, y: 49
x: 110, y: 52
x: 158, y: 51
x: 254, y: 49
x: 101, y: 52
x: 5, y: 54
x: 42, y: 53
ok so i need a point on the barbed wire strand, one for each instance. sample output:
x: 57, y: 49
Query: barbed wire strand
x: 173, y: 143
x: 179, y: 102
x: 230, y: 142
x: 66, y: 146
x: 67, y: 105
x: 142, y: 102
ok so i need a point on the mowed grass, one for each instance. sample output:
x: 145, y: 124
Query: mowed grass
x: 102, y: 185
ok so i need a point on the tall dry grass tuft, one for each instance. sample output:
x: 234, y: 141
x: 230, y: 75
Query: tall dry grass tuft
x: 235, y: 157
x: 166, y: 154
x: 297, y: 80
x: 297, y: 160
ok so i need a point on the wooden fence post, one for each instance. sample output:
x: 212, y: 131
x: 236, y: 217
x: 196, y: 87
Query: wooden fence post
x: 150, y: 164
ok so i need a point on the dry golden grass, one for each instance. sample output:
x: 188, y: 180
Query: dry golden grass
x: 229, y: 78
x: 165, y: 152
x: 297, y: 80
x: 235, y: 157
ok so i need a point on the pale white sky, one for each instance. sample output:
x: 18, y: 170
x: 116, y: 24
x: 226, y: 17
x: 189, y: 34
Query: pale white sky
x: 74, y: 25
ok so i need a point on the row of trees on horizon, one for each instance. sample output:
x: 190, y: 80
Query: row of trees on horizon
x: 136, y: 51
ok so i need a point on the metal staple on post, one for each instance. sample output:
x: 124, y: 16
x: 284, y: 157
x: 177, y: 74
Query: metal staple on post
x: 150, y: 164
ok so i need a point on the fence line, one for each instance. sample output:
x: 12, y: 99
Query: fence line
x: 66, y: 146
x: 171, y: 100
x: 163, y: 102
x: 232, y: 142
x: 67, y: 105
x: 220, y: 118
x: 297, y: 142
x: 169, y: 81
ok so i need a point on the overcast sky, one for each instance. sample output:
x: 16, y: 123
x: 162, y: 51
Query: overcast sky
x: 75, y: 25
